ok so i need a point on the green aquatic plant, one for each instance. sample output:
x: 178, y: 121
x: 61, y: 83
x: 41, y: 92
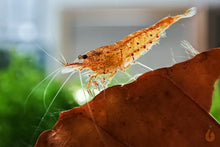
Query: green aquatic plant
x: 18, y: 119
x: 215, y: 109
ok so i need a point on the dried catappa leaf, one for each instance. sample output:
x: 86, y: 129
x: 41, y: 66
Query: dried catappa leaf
x: 166, y: 107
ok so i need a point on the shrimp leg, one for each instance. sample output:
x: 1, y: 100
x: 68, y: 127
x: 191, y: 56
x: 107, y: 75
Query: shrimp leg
x: 90, y: 80
x: 145, y: 66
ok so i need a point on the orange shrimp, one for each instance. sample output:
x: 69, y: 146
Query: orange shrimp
x: 107, y: 60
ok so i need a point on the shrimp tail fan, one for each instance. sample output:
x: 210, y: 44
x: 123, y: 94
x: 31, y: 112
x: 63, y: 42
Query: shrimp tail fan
x: 190, y: 12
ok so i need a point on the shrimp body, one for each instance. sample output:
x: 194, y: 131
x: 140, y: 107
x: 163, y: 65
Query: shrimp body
x: 120, y: 55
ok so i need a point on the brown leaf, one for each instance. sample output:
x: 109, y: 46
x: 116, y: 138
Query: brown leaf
x: 166, y: 107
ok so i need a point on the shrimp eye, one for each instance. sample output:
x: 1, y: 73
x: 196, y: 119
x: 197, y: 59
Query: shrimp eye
x: 84, y: 56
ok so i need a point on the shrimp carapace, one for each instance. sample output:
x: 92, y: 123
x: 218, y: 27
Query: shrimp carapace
x: 120, y: 55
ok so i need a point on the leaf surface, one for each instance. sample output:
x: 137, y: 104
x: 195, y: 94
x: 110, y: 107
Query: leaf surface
x: 166, y: 107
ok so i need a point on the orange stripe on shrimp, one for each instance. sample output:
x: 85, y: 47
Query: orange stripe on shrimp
x: 106, y: 60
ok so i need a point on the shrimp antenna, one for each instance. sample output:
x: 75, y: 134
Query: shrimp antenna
x: 35, y: 87
x: 37, y: 45
x: 173, y: 56
x: 48, y: 108
x: 65, y: 61
x: 59, y: 50
x: 45, y: 90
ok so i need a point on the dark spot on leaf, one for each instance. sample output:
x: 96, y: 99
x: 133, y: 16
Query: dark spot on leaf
x: 167, y: 93
x: 123, y: 123
x: 163, y: 130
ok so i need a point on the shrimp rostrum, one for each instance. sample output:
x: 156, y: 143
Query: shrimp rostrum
x: 107, y: 60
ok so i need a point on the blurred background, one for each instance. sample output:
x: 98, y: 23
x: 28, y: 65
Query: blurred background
x: 71, y: 28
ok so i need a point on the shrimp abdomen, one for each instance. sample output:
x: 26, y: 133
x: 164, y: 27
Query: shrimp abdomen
x: 137, y: 43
